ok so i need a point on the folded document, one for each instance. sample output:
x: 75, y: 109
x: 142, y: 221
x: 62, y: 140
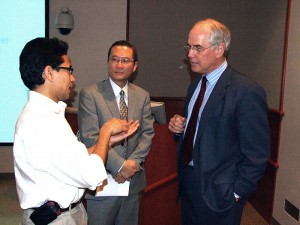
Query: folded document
x: 110, y: 187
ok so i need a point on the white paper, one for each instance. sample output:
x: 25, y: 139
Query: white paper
x: 110, y: 187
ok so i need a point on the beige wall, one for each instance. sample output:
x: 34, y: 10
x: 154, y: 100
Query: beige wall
x: 98, y: 23
x: 6, y: 159
x: 288, y: 178
x: 257, y: 28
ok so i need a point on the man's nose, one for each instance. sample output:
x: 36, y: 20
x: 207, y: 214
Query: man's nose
x: 192, y: 53
x: 119, y: 63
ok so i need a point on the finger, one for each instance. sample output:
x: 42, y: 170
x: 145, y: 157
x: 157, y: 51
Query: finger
x: 172, y: 127
x: 134, y: 123
x: 130, y: 121
x: 133, y: 127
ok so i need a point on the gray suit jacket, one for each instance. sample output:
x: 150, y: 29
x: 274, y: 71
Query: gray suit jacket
x: 97, y: 104
x: 233, y: 140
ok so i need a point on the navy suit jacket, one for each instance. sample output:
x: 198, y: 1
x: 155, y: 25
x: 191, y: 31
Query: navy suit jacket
x: 233, y: 140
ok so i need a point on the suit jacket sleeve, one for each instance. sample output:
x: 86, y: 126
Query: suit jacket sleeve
x: 252, y: 123
x: 88, y: 120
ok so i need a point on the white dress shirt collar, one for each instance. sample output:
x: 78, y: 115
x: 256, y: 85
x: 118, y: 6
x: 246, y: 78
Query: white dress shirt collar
x: 117, y: 89
x: 46, y: 103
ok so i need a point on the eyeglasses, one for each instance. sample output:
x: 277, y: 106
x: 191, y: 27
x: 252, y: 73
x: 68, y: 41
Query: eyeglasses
x: 196, y: 48
x: 122, y: 60
x: 69, y: 69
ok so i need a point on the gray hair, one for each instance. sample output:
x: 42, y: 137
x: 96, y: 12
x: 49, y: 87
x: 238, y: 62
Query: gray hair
x: 219, y: 33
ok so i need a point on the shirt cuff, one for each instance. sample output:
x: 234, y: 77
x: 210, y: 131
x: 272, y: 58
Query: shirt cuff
x: 236, y: 196
x: 121, y: 166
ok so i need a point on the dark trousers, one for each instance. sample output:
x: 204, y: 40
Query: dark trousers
x: 196, y: 212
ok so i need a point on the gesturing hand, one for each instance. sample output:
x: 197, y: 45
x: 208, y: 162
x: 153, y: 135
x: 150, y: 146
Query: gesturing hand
x: 121, y: 129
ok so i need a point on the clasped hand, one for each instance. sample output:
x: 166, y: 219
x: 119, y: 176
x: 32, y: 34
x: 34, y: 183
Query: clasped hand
x: 129, y: 168
x: 177, y: 124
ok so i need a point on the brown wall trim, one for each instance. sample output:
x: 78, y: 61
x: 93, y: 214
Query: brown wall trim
x: 160, y: 183
x: 286, y: 43
x: 276, y: 111
x: 156, y: 98
x: 274, y: 164
x: 280, y: 112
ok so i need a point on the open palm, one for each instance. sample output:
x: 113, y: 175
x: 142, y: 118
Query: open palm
x: 115, y: 138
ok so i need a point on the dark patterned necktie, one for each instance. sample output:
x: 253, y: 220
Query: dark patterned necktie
x: 123, y: 106
x: 124, y: 113
x: 188, y: 141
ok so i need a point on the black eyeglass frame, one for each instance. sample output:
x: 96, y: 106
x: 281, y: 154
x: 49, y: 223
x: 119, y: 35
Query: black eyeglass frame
x: 69, y: 69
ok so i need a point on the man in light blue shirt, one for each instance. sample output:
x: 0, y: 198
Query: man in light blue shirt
x: 231, y: 144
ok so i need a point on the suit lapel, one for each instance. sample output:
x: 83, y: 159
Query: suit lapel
x: 108, y: 94
x: 132, y: 100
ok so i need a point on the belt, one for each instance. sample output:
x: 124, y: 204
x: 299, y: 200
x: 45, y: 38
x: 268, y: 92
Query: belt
x: 72, y: 206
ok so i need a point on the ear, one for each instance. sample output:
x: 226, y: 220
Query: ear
x: 47, y: 74
x: 220, y: 50
x: 135, y: 66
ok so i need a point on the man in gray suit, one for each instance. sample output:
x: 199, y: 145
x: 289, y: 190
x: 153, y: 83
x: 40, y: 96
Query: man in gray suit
x: 101, y: 102
x: 230, y: 141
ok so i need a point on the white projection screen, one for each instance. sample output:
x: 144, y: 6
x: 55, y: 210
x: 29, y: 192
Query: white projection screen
x: 20, y: 21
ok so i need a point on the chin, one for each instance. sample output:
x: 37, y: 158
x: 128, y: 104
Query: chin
x: 65, y: 98
x: 196, y: 70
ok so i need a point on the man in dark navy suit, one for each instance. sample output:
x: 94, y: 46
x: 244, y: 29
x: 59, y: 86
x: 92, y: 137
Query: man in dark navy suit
x: 228, y: 132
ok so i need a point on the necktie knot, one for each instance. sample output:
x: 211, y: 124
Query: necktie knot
x: 204, y: 79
